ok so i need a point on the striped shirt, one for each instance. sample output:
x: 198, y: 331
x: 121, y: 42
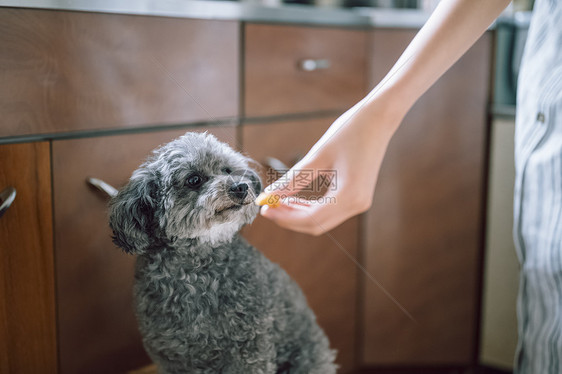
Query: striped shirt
x: 538, y: 194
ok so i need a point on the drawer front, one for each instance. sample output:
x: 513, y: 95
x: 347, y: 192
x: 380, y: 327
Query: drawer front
x: 320, y: 265
x: 27, y: 283
x: 276, y: 61
x: 68, y: 71
x: 96, y: 325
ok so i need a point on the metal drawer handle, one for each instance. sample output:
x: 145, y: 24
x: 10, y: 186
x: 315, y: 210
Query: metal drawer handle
x: 310, y: 64
x: 7, y: 197
x: 276, y: 164
x: 104, y: 187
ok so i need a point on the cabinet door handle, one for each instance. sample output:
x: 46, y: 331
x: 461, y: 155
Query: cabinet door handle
x: 104, y: 187
x: 7, y: 197
x: 309, y: 64
x: 276, y: 164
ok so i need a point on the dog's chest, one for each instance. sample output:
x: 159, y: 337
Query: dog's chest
x: 214, y: 300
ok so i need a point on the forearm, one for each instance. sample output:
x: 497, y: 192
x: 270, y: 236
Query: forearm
x: 451, y: 30
x: 356, y: 142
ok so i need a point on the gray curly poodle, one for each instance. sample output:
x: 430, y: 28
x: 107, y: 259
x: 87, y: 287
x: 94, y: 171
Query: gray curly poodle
x: 206, y: 300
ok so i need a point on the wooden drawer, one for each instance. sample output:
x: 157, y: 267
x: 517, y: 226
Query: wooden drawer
x: 96, y: 325
x: 321, y: 265
x: 276, y: 84
x: 27, y: 284
x: 424, y: 233
x: 68, y: 71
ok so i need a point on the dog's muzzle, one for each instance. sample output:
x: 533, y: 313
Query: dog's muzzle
x: 245, y: 186
x: 238, y: 190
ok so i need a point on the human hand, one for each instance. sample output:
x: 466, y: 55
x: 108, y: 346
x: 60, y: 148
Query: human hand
x: 355, y: 144
x: 354, y: 148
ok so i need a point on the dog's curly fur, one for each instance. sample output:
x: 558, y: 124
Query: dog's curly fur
x: 206, y: 300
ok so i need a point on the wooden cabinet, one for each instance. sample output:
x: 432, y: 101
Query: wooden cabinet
x: 27, y: 284
x: 71, y: 71
x: 71, y: 77
x: 97, y: 330
x: 424, y: 233
x: 323, y: 266
x: 276, y: 82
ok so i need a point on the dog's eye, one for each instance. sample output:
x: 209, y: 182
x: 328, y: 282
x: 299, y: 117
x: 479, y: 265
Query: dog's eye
x: 227, y: 170
x: 194, y: 180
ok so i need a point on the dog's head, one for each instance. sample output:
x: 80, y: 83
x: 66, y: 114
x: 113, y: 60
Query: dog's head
x: 194, y: 187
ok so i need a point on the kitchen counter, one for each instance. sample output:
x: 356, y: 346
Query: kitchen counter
x: 241, y: 11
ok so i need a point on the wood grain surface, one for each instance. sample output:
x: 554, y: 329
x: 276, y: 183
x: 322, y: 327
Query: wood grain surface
x: 423, y: 235
x: 27, y: 283
x: 70, y: 71
x: 275, y: 85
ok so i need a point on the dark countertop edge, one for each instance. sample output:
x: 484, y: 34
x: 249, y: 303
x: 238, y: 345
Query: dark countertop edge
x: 210, y: 10
x: 91, y: 133
x: 251, y: 12
x: 330, y: 115
x: 238, y: 11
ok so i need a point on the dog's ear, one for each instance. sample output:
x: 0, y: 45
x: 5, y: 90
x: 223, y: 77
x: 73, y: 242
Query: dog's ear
x: 131, y: 213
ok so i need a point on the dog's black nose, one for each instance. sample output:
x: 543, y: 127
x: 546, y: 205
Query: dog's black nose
x: 238, y: 190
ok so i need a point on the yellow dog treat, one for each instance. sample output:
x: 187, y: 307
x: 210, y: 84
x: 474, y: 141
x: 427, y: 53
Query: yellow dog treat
x: 272, y: 201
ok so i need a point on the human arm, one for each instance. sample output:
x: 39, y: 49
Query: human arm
x: 356, y: 142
